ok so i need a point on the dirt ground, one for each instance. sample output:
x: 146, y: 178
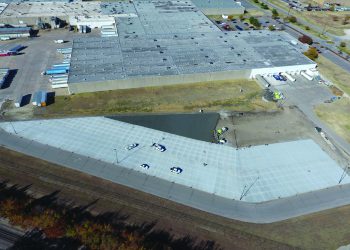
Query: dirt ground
x: 247, y: 129
x: 239, y: 95
x: 325, y: 230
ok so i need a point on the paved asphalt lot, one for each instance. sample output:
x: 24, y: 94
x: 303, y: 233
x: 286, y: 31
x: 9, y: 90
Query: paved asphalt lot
x: 253, y: 174
x: 306, y: 94
x: 265, y: 212
x: 39, y: 54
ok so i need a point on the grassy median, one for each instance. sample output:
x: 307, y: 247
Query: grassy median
x: 240, y: 95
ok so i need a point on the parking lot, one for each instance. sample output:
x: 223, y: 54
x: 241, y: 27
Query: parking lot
x: 239, y: 25
x: 39, y: 54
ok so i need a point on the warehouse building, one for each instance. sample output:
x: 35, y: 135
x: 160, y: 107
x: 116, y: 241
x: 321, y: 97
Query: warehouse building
x: 219, y: 7
x: 151, y: 60
x: 167, y: 43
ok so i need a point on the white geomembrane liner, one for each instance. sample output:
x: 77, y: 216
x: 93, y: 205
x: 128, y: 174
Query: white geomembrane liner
x: 254, y: 174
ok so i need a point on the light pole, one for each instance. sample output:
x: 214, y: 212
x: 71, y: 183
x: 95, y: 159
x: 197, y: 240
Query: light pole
x: 116, y: 155
x: 344, y: 174
x: 14, y: 130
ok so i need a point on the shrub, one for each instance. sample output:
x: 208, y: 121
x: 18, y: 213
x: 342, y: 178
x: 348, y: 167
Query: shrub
x: 305, y: 39
x: 292, y: 19
x: 311, y: 53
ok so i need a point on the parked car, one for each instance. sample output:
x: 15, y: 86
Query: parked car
x: 144, y: 166
x: 222, y: 141
x: 176, y: 170
x: 278, y: 77
x: 282, y: 77
x: 131, y: 146
x: 159, y: 147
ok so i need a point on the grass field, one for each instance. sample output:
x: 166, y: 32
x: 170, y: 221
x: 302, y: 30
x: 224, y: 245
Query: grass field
x: 337, y: 116
x: 334, y: 73
x: 176, y: 98
x: 332, y: 21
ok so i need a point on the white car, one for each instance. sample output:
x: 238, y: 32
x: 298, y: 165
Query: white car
x: 222, y: 141
x: 132, y: 146
x: 144, y: 166
x: 224, y: 129
x: 58, y: 41
x: 176, y: 170
x: 159, y: 147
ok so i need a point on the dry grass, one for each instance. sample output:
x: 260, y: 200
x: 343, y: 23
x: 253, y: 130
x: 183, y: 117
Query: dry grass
x: 336, y: 91
x: 334, y: 73
x: 176, y: 98
x: 337, y: 116
x: 333, y: 21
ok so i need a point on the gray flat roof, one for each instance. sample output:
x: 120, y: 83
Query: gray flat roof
x: 137, y: 55
x: 217, y: 4
x: 254, y: 174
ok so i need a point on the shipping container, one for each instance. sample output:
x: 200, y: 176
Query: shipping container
x: 55, y: 71
x: 306, y: 76
x: 60, y: 65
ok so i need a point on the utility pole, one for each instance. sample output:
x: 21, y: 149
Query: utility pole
x: 13, y: 127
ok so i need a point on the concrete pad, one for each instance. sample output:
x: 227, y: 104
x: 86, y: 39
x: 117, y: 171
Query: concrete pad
x: 252, y: 174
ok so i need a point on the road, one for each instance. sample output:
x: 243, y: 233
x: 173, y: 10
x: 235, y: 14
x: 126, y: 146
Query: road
x: 8, y: 235
x: 307, y: 94
x: 327, y: 50
x: 301, y: 21
x: 330, y: 51
x: 266, y: 212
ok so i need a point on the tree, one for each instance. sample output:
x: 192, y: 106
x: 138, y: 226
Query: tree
x: 305, y: 39
x: 311, y: 53
x: 274, y: 13
x: 272, y: 28
x: 264, y: 6
x: 241, y: 17
x: 292, y: 19
x: 254, y: 22
x: 342, y: 44
x: 307, y: 27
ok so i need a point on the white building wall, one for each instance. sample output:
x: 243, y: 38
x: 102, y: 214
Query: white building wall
x: 295, y: 69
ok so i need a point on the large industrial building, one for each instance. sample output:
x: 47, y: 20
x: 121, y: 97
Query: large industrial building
x: 132, y: 61
x: 173, y: 42
x: 161, y: 42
